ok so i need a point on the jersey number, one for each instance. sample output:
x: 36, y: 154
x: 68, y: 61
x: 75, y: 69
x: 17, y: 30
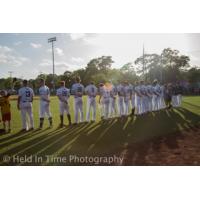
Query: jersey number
x: 79, y: 89
x: 64, y: 93
x: 28, y: 94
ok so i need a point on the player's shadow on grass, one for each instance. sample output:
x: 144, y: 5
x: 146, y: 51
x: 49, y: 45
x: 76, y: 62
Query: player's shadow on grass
x: 107, y: 138
x: 166, y: 132
x: 193, y: 105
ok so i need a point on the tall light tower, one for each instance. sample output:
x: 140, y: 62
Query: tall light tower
x: 143, y: 63
x: 52, y: 40
x: 161, y: 69
x: 10, y: 75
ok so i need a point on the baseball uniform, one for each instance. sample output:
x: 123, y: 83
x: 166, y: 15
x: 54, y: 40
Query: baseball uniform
x: 91, y: 91
x: 26, y: 98
x: 78, y: 91
x: 113, y: 94
x: 44, y: 93
x: 127, y: 97
x: 120, y: 91
x: 63, y: 94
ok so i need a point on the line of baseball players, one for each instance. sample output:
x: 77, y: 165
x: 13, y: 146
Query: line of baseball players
x: 114, y: 101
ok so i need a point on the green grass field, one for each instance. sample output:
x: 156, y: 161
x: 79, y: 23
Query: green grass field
x: 93, y: 139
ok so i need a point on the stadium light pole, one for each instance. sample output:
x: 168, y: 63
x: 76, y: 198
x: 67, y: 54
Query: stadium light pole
x: 52, y: 40
x: 10, y: 75
x: 161, y: 68
x: 143, y: 63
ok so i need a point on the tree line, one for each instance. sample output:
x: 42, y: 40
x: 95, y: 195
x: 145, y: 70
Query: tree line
x: 169, y: 66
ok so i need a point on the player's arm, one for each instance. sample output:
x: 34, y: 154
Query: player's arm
x: 86, y: 91
x: 130, y: 92
x: 18, y: 102
x: 59, y: 97
x: 100, y: 98
x: 83, y: 90
x: 74, y: 90
x: 138, y: 93
x: 100, y: 95
x: 155, y: 92
x: 48, y: 96
x: 32, y: 95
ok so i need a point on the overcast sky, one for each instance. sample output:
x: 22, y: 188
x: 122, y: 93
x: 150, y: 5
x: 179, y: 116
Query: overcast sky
x: 27, y: 55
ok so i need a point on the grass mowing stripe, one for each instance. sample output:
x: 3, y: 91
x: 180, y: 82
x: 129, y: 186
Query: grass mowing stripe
x: 5, y: 149
x: 69, y: 132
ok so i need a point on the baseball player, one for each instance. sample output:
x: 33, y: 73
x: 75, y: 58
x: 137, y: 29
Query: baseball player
x: 24, y: 104
x: 105, y: 99
x: 156, y: 95
x: 127, y: 97
x: 63, y: 95
x: 5, y: 110
x: 91, y: 91
x: 132, y: 87
x: 174, y: 95
x: 144, y: 99
x: 159, y: 96
x: 138, y: 99
x: 78, y: 91
x: 168, y: 95
x: 150, y: 96
x: 113, y: 96
x: 44, y: 94
x: 162, y: 100
x: 101, y: 104
x: 120, y: 91
x: 179, y: 94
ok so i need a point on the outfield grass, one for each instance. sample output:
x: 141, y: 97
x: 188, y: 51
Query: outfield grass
x: 93, y: 139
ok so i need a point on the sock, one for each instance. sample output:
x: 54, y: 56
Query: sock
x: 133, y: 111
x: 41, y: 122
x: 69, y: 118
x: 61, y: 119
x: 50, y: 121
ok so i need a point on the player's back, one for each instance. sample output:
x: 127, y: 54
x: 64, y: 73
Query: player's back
x: 132, y: 88
x: 63, y: 93
x: 113, y: 91
x: 77, y: 89
x: 106, y: 93
x: 26, y: 94
x: 127, y: 90
x: 138, y: 90
x: 120, y: 90
x: 44, y: 92
x: 149, y: 89
x: 91, y: 90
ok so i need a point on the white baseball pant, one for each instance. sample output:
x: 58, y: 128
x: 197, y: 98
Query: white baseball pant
x: 121, y: 105
x: 138, y: 105
x: 78, y: 107
x: 106, y: 104
x: 126, y: 105
x: 26, y: 109
x: 155, y: 102
x: 113, y: 111
x: 44, y: 109
x: 91, y: 104
x: 64, y: 107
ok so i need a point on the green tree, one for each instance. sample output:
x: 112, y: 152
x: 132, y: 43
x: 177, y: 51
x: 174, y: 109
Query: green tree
x: 173, y: 63
x: 128, y: 72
